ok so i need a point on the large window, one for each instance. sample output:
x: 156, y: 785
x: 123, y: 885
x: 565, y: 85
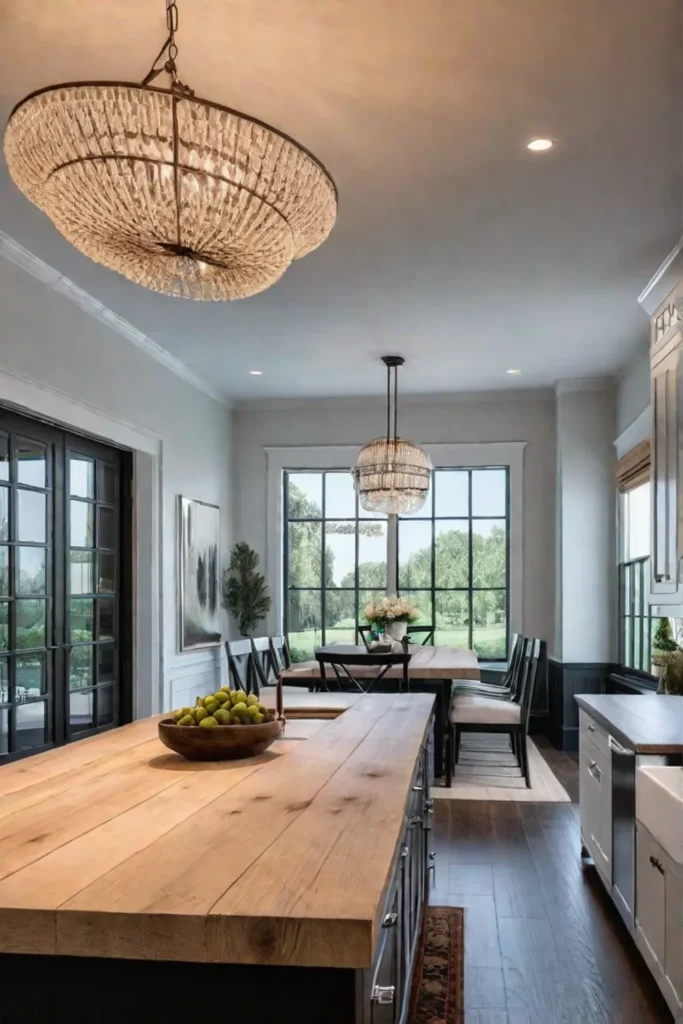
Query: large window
x: 634, y: 577
x: 335, y: 560
x: 451, y: 560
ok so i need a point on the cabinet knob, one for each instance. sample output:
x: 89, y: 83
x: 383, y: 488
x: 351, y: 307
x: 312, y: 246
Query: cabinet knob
x: 657, y: 864
x: 591, y: 728
x: 658, y: 577
x: 390, y: 920
x: 383, y: 994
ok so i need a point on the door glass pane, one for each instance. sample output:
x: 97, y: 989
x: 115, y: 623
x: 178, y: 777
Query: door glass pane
x: 4, y: 513
x: 422, y: 601
x: 488, y: 553
x: 81, y: 620
x: 452, y: 618
x: 4, y: 457
x: 304, y: 622
x: 30, y: 676
x: 32, y: 725
x: 30, y: 624
x: 4, y: 626
x: 105, y: 663
x: 340, y: 496
x: 4, y: 732
x: 305, y: 492
x: 637, y: 631
x: 414, y: 553
x: 372, y: 555
x: 105, y: 705
x: 489, y: 493
x: 82, y: 572
x: 30, y: 570
x: 106, y: 488
x: 451, y: 493
x: 106, y: 534
x: 4, y: 571
x: 107, y: 573
x: 340, y: 616
x: 452, y: 553
x: 4, y: 681
x: 81, y: 524
x: 304, y: 554
x: 81, y: 667
x: 81, y: 477
x: 81, y: 711
x: 31, y: 463
x: 105, y: 618
x: 31, y: 513
x: 340, y: 554
x: 488, y: 619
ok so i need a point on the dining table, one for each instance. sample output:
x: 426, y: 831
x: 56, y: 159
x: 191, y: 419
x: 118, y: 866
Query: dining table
x: 431, y: 669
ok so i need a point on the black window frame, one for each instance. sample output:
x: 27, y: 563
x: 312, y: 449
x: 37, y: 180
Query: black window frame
x: 631, y: 569
x: 323, y: 519
x: 470, y: 590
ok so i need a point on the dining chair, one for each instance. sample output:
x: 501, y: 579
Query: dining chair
x: 343, y: 663
x: 510, y: 682
x: 244, y: 672
x: 280, y: 657
x: 260, y: 648
x: 428, y: 632
x: 481, y: 714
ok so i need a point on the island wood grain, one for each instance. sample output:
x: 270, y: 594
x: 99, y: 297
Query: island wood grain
x: 129, y: 851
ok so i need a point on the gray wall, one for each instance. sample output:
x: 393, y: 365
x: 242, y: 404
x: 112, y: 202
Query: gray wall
x: 48, y: 339
x: 527, y: 417
x: 633, y: 388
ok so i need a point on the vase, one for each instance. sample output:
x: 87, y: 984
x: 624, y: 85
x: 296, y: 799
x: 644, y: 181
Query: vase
x: 396, y: 630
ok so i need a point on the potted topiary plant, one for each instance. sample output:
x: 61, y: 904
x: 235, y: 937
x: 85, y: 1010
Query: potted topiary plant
x: 245, y: 592
x: 671, y: 672
x: 662, y: 643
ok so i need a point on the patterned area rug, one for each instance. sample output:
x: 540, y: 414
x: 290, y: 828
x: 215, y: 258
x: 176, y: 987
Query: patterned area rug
x: 437, y: 996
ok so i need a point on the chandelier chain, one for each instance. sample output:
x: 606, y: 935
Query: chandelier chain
x: 170, y: 48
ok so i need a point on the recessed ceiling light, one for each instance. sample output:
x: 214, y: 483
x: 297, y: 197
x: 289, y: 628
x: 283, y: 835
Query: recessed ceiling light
x: 540, y: 145
x: 256, y: 373
x: 516, y: 372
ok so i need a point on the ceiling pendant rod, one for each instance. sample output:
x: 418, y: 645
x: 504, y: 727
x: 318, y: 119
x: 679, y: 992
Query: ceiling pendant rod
x: 395, y: 404
x: 388, y: 403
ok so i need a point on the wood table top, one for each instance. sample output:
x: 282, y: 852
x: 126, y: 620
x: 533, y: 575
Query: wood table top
x: 648, y: 724
x: 115, y: 847
x: 425, y: 663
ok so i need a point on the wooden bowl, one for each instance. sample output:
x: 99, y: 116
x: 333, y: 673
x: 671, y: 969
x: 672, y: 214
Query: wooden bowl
x: 222, y: 743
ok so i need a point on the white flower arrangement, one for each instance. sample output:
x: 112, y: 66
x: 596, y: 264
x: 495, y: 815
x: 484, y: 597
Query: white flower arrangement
x: 390, y: 609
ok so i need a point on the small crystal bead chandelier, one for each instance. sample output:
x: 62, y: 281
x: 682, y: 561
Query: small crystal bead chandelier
x: 178, y: 194
x: 392, y: 475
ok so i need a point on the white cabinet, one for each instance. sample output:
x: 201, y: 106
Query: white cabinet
x: 595, y: 800
x: 659, y: 917
x: 667, y: 476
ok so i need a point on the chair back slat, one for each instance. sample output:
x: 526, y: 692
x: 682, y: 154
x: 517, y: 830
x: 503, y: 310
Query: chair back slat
x: 530, y: 659
x: 428, y: 632
x: 263, y: 664
x: 513, y: 677
x: 365, y: 633
x: 281, y: 659
x: 241, y: 666
x: 343, y: 662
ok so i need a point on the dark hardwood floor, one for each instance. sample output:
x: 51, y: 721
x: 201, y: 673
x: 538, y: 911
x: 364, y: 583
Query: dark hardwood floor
x: 543, y: 943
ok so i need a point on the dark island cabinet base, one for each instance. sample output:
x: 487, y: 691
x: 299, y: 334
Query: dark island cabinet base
x: 75, y: 990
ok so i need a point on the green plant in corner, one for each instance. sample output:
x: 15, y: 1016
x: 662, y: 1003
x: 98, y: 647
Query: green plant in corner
x: 671, y: 680
x: 245, y: 592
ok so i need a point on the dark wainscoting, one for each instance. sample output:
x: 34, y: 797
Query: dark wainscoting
x: 564, y: 681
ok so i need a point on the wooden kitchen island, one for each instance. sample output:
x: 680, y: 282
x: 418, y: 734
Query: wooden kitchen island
x: 285, y: 888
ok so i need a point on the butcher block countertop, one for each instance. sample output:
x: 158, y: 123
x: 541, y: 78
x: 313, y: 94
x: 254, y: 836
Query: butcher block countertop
x: 647, y: 724
x: 116, y: 847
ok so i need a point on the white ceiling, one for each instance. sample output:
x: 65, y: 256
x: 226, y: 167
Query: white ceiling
x: 454, y: 246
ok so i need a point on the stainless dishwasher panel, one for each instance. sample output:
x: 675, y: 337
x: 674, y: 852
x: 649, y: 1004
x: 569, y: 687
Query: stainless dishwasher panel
x: 624, y: 831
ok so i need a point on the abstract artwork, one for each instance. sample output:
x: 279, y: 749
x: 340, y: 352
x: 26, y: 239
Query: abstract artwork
x: 200, y: 605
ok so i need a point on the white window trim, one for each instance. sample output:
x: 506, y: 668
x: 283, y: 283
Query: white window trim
x: 443, y: 456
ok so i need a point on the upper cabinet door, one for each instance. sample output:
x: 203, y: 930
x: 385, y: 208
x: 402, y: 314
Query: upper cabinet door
x: 666, y: 479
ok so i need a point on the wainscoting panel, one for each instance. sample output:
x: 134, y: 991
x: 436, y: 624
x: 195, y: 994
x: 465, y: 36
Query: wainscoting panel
x: 565, y: 680
x: 191, y: 678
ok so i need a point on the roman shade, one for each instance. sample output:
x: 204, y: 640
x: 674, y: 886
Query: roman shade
x: 634, y: 468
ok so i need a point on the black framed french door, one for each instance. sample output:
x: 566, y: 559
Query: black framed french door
x: 65, y: 579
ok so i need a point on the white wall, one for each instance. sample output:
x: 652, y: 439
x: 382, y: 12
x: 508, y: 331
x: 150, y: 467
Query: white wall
x: 585, y: 631
x: 48, y: 339
x: 469, y: 418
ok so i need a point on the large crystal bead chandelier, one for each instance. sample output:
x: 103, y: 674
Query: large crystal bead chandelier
x: 178, y: 194
x: 392, y: 475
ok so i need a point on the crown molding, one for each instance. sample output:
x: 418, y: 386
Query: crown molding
x: 652, y: 289
x: 11, y: 250
x: 572, y: 384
